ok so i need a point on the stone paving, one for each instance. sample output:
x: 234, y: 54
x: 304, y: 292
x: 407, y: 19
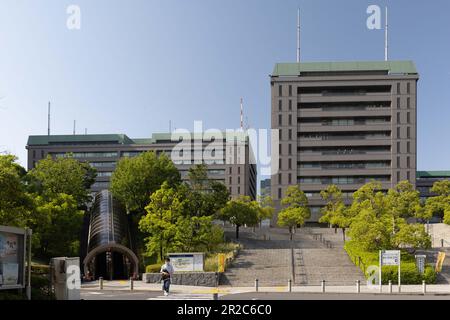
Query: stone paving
x: 273, y: 259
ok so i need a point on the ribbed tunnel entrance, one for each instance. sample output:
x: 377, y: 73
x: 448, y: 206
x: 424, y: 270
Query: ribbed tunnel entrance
x: 109, y: 253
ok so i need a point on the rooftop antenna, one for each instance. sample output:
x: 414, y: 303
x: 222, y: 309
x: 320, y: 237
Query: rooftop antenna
x: 74, y: 126
x: 85, y: 130
x: 386, y: 39
x: 48, y: 119
x: 298, y: 35
x: 242, y: 115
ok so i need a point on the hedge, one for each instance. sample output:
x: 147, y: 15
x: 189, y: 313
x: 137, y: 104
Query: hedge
x: 409, y: 273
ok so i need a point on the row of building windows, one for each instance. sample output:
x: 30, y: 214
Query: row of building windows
x: 334, y: 90
x: 345, y: 165
x: 343, y: 180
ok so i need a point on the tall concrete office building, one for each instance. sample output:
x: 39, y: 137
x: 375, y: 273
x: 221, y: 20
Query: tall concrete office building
x: 343, y: 123
x: 229, y: 158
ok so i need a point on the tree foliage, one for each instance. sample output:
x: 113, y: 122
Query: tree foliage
x: 240, y: 211
x: 136, y: 179
x: 296, y: 210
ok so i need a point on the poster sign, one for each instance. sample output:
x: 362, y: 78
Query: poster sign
x: 221, y: 262
x: 440, y: 261
x: 420, y: 263
x: 186, y: 262
x: 12, y: 257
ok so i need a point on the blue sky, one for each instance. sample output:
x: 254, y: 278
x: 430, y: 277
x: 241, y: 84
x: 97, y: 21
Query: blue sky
x: 136, y: 64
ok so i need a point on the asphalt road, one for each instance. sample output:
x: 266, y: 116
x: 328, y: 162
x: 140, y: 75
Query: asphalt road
x: 331, y: 296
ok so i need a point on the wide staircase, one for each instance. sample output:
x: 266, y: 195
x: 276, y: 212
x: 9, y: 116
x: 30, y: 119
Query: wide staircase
x: 314, y: 254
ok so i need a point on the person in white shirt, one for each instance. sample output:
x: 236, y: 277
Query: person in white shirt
x: 166, y: 275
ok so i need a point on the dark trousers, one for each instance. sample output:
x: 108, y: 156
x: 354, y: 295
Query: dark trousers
x: 166, y: 285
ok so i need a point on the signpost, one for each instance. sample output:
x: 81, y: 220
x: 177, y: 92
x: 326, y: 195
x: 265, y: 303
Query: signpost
x: 390, y: 258
x: 420, y: 262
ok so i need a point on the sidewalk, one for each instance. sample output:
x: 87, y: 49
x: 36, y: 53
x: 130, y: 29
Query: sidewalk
x: 224, y: 290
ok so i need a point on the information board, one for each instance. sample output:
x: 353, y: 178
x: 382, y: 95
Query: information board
x: 185, y: 262
x: 12, y: 257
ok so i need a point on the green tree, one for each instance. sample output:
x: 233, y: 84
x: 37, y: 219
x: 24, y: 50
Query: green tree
x: 296, y: 210
x: 198, y: 177
x: 57, y: 225
x: 240, y: 211
x: 67, y: 175
x: 160, y: 223
x: 334, y: 212
x: 412, y: 236
x: 439, y: 205
x: 265, y: 208
x: 136, y: 179
x: 16, y: 205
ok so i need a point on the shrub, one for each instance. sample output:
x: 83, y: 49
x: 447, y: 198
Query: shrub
x: 153, y: 268
x: 408, y: 269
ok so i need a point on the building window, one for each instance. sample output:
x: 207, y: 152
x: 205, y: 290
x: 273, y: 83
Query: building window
x: 290, y: 149
x: 398, y: 132
x: 290, y: 105
x: 42, y: 153
x: 408, y: 147
x: 290, y: 119
x: 239, y: 190
x: 290, y: 178
x: 239, y: 180
x: 398, y: 175
x: 408, y: 176
x: 398, y: 147
x: 408, y: 132
x: 398, y: 88
x: 398, y: 162
x: 408, y: 162
x: 280, y: 149
x: 279, y: 193
x: 408, y: 103
x: 280, y: 105
x: 280, y: 91
x: 398, y: 103
x: 290, y: 90
x: 290, y: 134
x: 34, y: 153
x: 231, y: 180
x: 280, y: 120
x: 290, y: 164
x: 408, y: 88
x: 279, y: 178
x: 279, y: 164
x: 398, y: 117
x: 230, y: 170
x: 239, y: 170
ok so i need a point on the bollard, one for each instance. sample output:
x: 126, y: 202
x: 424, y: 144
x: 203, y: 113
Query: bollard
x: 256, y: 285
x: 290, y: 285
x: 442, y: 243
x: 215, y: 296
x: 390, y: 286
x: 358, y: 286
x: 131, y: 284
x: 323, y: 286
x: 424, y: 287
x: 100, y: 281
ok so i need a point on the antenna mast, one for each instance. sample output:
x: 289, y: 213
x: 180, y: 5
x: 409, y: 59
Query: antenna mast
x: 386, y: 39
x: 242, y: 115
x: 48, y: 119
x: 298, y: 35
x: 74, y: 126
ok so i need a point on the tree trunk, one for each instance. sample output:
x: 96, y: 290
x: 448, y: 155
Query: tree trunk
x: 343, y: 233
x: 290, y: 233
x: 237, y: 231
x: 335, y: 229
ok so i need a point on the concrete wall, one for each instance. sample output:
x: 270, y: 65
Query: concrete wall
x: 203, y: 279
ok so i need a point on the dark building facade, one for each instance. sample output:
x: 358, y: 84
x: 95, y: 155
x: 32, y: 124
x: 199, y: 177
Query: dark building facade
x: 426, y: 179
x: 343, y: 123
x: 229, y: 159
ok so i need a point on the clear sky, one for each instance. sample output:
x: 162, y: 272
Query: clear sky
x: 136, y: 64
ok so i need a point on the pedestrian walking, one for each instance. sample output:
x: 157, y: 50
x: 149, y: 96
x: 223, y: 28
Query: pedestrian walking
x: 166, y: 275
